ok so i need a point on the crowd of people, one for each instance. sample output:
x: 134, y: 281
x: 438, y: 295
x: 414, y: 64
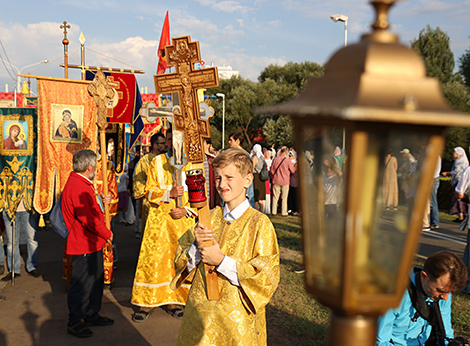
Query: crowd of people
x: 277, y: 189
x: 148, y: 196
x: 242, y: 188
x: 424, y: 313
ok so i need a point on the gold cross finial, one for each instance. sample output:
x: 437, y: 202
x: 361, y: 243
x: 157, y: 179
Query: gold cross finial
x: 65, y: 26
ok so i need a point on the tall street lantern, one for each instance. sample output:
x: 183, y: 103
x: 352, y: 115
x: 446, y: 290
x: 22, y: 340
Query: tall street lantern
x: 358, y: 255
x: 342, y: 18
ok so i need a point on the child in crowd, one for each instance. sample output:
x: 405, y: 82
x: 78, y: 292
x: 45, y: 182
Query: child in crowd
x: 245, y: 254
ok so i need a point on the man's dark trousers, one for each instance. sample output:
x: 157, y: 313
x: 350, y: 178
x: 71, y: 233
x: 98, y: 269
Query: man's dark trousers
x: 86, y: 286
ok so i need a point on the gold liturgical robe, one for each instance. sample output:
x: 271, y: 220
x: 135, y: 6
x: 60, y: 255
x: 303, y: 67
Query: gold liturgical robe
x: 140, y: 180
x: 238, y: 318
x: 156, y: 266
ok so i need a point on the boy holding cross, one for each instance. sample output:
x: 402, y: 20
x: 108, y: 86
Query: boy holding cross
x: 245, y: 254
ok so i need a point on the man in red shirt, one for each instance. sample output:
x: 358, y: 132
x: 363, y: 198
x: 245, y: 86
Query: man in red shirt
x: 281, y: 169
x: 88, y: 235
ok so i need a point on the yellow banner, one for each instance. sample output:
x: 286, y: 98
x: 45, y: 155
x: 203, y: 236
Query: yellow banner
x: 66, y: 123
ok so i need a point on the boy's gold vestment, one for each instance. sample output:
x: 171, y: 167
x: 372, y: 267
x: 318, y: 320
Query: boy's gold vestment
x: 238, y: 318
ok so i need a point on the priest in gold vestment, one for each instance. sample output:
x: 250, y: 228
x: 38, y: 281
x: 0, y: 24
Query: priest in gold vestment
x: 166, y: 223
x: 158, y: 146
x: 246, y: 256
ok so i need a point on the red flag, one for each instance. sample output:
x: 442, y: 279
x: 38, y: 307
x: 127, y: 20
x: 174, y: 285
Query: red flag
x: 121, y: 110
x: 164, y: 41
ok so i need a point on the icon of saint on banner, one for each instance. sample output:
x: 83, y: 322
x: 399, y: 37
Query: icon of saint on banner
x: 67, y: 123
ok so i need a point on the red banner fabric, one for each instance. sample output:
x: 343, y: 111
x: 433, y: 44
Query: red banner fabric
x: 121, y: 109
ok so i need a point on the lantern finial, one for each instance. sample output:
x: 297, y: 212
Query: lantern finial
x: 380, y: 26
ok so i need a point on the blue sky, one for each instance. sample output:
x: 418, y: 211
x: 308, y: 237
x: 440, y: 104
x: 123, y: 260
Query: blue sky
x: 247, y: 35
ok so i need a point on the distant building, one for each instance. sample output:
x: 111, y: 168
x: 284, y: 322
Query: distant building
x: 226, y: 72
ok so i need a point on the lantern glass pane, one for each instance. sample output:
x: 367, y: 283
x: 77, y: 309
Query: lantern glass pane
x: 392, y: 170
x: 322, y: 193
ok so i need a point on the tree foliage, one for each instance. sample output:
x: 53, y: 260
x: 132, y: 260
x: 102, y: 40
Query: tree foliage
x: 464, y: 67
x: 434, y: 46
x: 242, y: 98
x: 295, y: 74
x: 457, y: 94
x: 279, y: 132
x: 456, y: 137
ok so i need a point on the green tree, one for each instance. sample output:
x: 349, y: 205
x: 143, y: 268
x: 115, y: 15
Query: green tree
x: 285, y: 133
x: 279, y: 132
x: 456, y: 137
x: 457, y: 94
x: 295, y: 74
x: 269, y: 130
x: 464, y: 67
x: 434, y: 46
x: 243, y: 97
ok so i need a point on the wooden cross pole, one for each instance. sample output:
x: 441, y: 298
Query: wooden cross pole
x: 183, y: 54
x: 102, y: 93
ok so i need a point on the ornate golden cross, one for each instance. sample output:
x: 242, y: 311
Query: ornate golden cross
x: 102, y: 93
x: 183, y: 54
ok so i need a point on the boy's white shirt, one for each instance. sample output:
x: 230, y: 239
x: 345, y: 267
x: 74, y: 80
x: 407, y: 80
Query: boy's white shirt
x: 228, y: 266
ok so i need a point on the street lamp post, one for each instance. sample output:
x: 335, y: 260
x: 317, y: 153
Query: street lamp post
x: 342, y: 18
x: 223, y: 117
x: 18, y: 72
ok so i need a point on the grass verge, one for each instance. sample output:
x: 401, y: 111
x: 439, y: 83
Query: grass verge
x: 296, y: 318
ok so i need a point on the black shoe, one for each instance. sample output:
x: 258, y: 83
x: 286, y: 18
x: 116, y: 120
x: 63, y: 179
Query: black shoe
x: 140, y: 316
x: 34, y: 273
x: 8, y: 277
x: 97, y: 320
x: 176, y: 312
x: 80, y: 330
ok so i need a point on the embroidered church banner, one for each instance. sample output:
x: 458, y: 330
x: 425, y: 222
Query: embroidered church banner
x: 17, y: 157
x: 66, y: 123
x: 122, y: 108
x: 116, y: 134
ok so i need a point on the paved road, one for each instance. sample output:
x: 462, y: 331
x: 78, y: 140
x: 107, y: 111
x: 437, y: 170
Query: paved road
x: 35, y: 310
x: 447, y: 237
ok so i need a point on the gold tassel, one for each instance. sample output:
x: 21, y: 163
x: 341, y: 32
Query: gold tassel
x: 41, y: 222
